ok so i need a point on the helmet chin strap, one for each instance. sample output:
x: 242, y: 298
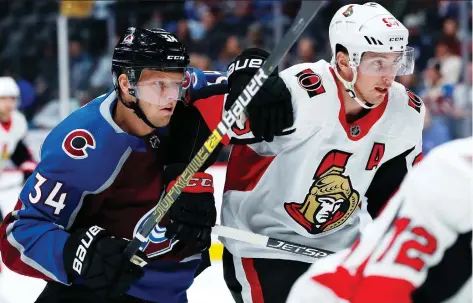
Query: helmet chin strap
x: 136, y: 108
x: 133, y: 105
x: 139, y: 112
x: 350, y: 86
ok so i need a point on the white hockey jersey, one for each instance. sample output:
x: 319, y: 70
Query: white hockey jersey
x: 417, y: 250
x: 11, y: 133
x: 310, y: 185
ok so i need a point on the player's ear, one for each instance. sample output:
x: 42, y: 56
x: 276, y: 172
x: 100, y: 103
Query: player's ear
x: 124, y: 84
x: 343, y: 65
x: 342, y: 61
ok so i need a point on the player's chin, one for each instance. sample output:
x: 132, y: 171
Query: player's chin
x: 162, y: 120
x: 377, y: 98
x: 4, y: 117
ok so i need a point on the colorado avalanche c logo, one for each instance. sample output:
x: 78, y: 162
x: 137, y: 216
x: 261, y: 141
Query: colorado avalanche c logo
x: 186, y: 83
x: 76, y: 142
x: 157, y: 243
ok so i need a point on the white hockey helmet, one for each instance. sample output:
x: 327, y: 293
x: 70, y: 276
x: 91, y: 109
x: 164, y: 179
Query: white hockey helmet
x: 369, y: 28
x: 8, y: 87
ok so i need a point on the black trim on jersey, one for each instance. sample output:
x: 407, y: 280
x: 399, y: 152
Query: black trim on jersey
x: 446, y: 278
x: 230, y: 278
x: 386, y: 181
x: 275, y: 288
x: 21, y: 154
x: 258, y: 140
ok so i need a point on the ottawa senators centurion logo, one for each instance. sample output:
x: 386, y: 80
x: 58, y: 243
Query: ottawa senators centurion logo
x: 331, y: 199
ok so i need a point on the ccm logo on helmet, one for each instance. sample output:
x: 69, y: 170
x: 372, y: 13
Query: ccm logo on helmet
x: 237, y: 65
x: 396, y: 39
x: 175, y: 57
x: 76, y: 143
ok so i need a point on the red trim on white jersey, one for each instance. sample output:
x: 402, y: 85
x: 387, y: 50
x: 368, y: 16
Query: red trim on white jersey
x: 7, y: 125
x: 245, y: 168
x: 253, y: 280
x: 28, y: 166
x: 366, y: 122
x: 211, y: 109
x: 418, y: 158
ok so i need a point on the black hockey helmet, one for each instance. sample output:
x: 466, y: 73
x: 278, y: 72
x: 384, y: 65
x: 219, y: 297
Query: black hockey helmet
x: 148, y: 48
x: 140, y: 49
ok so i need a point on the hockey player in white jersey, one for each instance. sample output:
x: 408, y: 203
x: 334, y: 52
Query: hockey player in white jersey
x: 356, y: 134
x: 417, y: 250
x: 13, y: 129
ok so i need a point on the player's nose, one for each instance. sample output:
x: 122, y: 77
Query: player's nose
x: 388, y: 81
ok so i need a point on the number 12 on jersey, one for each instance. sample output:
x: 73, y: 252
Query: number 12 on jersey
x: 54, y: 199
x: 419, y: 242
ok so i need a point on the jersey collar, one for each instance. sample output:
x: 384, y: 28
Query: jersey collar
x: 359, y: 128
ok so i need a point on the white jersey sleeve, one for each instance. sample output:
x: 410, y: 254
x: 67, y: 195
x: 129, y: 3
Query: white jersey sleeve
x: 241, y: 132
x: 10, y: 134
x: 418, y: 250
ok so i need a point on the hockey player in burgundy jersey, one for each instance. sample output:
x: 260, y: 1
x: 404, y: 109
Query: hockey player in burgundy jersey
x: 356, y: 134
x: 102, y: 170
x: 105, y: 167
x: 417, y: 250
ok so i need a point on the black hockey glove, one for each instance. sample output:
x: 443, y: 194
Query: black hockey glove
x: 97, y: 260
x: 193, y: 215
x: 270, y: 111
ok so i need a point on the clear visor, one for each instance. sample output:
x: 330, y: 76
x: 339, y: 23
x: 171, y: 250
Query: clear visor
x: 159, y: 87
x: 388, y: 64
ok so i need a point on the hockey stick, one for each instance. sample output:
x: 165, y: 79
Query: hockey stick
x: 257, y: 239
x: 307, y: 12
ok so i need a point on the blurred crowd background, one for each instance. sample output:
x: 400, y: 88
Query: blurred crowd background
x: 215, y: 31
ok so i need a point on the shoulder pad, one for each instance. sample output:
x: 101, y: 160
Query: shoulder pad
x: 306, y: 77
x: 87, y: 150
x: 414, y: 101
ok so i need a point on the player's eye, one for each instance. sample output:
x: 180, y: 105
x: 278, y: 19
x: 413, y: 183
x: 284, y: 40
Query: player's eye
x: 398, y: 60
x: 378, y: 63
x: 160, y: 85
